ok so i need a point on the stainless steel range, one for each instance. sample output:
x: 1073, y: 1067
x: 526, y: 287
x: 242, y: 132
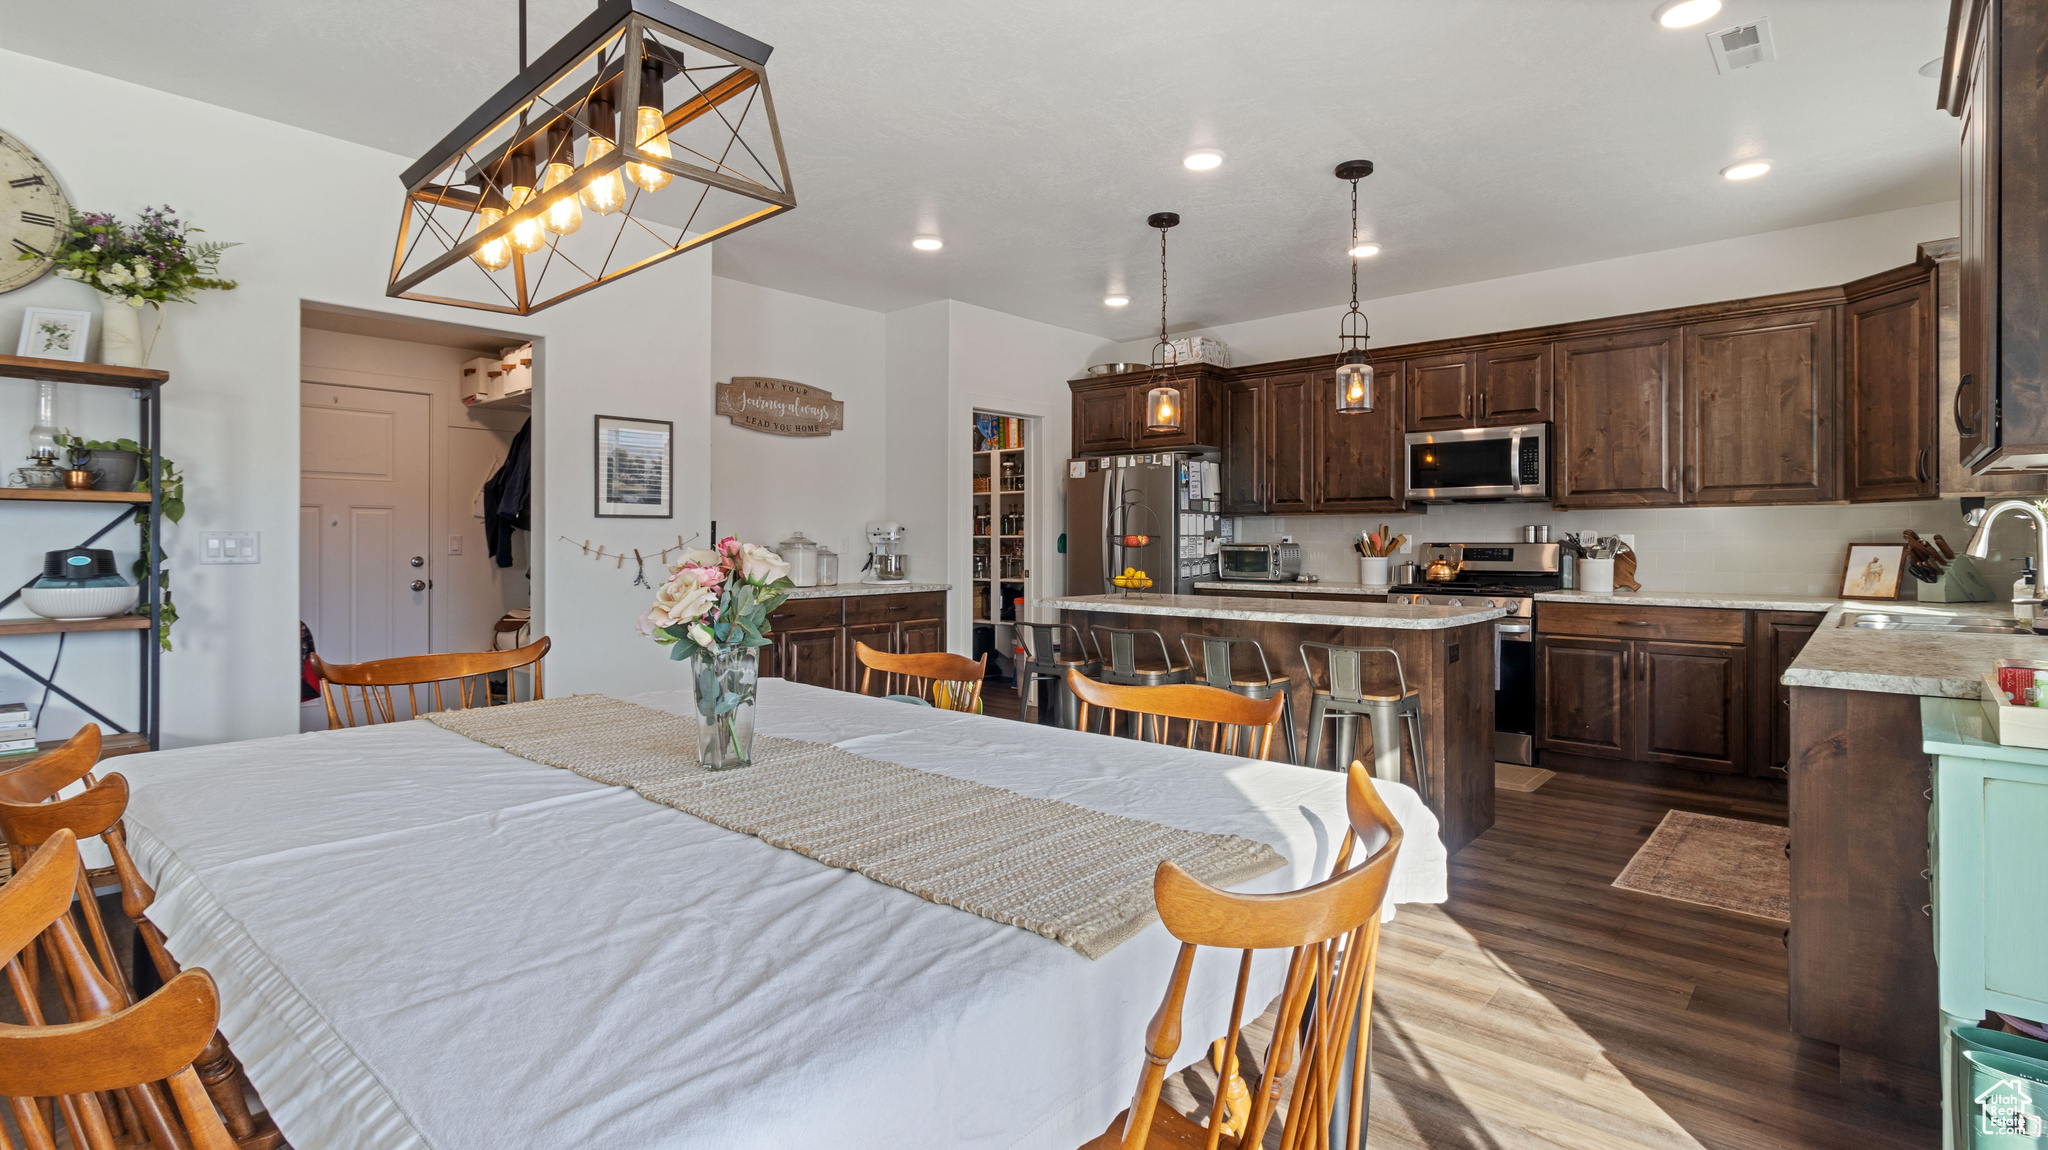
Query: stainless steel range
x: 1505, y: 575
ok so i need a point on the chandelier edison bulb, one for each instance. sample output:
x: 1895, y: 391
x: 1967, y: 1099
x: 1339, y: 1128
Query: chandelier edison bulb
x: 495, y: 255
x: 1354, y: 385
x: 528, y: 235
x: 650, y: 138
x: 607, y: 193
x: 565, y: 213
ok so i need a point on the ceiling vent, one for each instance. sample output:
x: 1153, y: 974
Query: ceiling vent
x: 1742, y: 46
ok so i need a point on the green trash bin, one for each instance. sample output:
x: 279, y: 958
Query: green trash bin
x: 2001, y: 1090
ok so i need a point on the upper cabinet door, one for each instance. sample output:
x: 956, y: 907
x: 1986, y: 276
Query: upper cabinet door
x: 1514, y: 385
x: 1244, y: 447
x: 1978, y: 288
x: 1358, y: 455
x: 1290, y: 432
x: 1103, y: 419
x: 1441, y: 391
x: 1760, y: 409
x: 1888, y: 400
x: 1616, y: 439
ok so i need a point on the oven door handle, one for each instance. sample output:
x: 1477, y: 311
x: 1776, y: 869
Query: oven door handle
x: 1501, y: 633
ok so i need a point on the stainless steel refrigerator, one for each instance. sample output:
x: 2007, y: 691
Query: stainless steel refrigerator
x: 1158, y: 513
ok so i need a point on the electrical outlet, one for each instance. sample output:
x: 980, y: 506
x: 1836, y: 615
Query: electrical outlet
x: 1627, y: 540
x: 455, y: 545
x: 231, y: 547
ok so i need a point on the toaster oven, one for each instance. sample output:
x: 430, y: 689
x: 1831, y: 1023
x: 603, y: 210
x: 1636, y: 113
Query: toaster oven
x: 1260, y: 562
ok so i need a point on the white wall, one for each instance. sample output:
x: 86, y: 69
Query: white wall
x: 315, y: 217
x: 1818, y: 255
x: 763, y: 487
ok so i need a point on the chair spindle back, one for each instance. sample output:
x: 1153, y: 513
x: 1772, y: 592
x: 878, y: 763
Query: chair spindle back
x: 1237, y: 725
x: 345, y: 686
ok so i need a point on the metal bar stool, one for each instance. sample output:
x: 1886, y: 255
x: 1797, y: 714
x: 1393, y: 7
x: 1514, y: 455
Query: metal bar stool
x: 1050, y: 657
x: 1120, y: 661
x: 1217, y: 671
x: 1344, y: 697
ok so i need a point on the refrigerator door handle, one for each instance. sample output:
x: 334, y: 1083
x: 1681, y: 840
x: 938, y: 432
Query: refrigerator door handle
x: 1112, y: 542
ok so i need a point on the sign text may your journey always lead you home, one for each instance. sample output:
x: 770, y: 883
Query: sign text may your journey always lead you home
x: 780, y: 406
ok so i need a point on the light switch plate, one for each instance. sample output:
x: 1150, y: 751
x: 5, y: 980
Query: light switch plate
x: 455, y: 545
x: 231, y: 547
x: 1627, y: 540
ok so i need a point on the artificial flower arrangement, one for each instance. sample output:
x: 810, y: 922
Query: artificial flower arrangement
x: 153, y: 261
x: 714, y: 609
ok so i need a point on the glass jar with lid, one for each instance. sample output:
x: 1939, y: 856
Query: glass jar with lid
x: 828, y: 567
x: 802, y: 556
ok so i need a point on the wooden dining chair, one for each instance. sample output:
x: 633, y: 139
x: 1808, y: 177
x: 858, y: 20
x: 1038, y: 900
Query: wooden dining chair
x: 1236, y: 725
x: 1323, y: 1018
x: 97, y: 812
x: 54, y: 769
x: 948, y: 682
x: 372, y: 683
x: 118, y: 1077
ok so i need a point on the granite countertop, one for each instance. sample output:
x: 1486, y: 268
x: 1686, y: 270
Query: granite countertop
x: 1392, y: 616
x: 1219, y: 586
x: 1908, y: 662
x: 846, y: 590
x: 1728, y: 600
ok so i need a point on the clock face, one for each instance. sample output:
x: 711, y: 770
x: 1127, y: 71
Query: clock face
x: 34, y: 219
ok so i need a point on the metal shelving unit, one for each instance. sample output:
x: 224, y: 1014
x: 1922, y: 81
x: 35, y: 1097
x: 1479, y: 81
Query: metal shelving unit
x: 148, y: 388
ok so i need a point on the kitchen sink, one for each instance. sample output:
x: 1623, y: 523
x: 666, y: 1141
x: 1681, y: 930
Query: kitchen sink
x: 1944, y: 624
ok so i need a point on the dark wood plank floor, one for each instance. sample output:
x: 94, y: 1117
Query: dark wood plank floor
x: 1543, y: 1007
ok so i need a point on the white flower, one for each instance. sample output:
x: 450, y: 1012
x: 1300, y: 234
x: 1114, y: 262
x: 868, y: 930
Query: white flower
x: 700, y: 635
x: 760, y: 565
x: 698, y: 557
x: 142, y: 275
x: 135, y: 301
x: 70, y: 274
x: 114, y: 275
x: 683, y: 599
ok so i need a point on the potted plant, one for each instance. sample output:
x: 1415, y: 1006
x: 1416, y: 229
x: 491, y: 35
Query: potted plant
x: 96, y: 450
x: 151, y: 262
x: 713, y: 611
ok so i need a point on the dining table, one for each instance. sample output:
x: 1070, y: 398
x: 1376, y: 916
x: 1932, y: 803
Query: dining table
x: 423, y: 941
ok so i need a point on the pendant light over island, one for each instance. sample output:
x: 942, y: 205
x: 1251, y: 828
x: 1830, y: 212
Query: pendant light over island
x: 1163, y: 402
x: 1354, y: 374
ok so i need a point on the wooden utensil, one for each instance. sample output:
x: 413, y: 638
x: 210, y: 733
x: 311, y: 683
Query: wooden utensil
x: 1947, y: 552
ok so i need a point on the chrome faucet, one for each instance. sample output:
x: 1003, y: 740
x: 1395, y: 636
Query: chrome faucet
x: 1980, y: 543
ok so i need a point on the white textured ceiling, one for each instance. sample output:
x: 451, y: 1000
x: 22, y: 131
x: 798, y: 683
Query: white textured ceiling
x: 1510, y: 135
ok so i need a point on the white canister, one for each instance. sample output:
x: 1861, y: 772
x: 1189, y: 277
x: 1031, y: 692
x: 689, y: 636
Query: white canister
x: 1372, y: 570
x: 1596, y: 576
x: 802, y: 556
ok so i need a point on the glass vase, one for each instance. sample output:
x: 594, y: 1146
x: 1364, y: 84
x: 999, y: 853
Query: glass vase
x: 724, y: 686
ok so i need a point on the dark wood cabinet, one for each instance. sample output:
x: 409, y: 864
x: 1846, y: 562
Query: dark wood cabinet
x: 1290, y: 426
x: 1441, y: 391
x: 1513, y: 385
x: 1616, y: 439
x: 1244, y: 447
x: 1776, y: 640
x: 1357, y: 458
x: 1103, y: 420
x: 877, y: 637
x: 1760, y: 409
x: 1691, y: 699
x: 1996, y: 81
x: 812, y: 640
x: 1586, y: 695
x: 816, y: 657
x: 1889, y: 391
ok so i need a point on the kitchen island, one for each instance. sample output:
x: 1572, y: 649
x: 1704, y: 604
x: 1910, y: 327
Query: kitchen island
x: 1446, y: 653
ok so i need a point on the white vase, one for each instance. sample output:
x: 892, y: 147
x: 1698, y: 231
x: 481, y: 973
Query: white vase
x: 122, y: 342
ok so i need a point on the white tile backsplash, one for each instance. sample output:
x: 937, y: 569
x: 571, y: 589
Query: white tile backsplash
x: 1771, y: 550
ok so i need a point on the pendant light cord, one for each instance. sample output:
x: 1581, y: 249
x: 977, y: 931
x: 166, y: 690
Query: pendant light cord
x: 1351, y: 247
x: 522, y: 62
x: 1162, y: 285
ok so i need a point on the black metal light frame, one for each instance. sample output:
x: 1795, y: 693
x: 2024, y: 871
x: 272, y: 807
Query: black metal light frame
x: 440, y: 227
x: 1163, y: 403
x: 1354, y: 372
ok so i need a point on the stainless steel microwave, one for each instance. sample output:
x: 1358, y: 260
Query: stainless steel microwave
x: 1260, y: 562
x: 1495, y: 464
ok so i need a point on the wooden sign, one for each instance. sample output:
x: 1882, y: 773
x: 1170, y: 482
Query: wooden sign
x: 780, y: 407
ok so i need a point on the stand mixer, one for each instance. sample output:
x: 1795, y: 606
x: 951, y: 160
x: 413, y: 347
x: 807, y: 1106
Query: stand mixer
x: 886, y: 564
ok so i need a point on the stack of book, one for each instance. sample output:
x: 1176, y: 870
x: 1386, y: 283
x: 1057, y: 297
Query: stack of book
x: 17, y: 730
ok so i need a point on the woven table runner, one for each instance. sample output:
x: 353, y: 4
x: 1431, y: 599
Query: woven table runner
x: 1073, y: 875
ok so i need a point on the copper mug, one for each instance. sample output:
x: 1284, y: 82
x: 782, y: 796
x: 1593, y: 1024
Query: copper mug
x: 81, y: 479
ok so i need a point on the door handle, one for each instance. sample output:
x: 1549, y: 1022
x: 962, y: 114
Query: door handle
x: 418, y: 584
x: 417, y: 561
x: 1961, y: 428
x: 1482, y: 405
x: 1921, y: 466
x: 1692, y: 478
x: 1632, y: 622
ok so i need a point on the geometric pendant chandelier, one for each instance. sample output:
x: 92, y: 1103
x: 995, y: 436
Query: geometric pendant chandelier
x: 645, y: 132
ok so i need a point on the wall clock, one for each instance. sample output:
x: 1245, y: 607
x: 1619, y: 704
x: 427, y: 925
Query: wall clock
x: 34, y: 219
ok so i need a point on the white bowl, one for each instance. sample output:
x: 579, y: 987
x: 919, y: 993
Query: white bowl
x: 75, y: 603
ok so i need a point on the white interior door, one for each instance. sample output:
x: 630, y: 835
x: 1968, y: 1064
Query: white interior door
x: 364, y: 577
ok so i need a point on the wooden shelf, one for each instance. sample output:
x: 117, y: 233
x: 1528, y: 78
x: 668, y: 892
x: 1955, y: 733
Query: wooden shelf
x: 64, y: 371
x: 110, y: 745
x: 54, y: 626
x: 520, y: 402
x: 66, y: 495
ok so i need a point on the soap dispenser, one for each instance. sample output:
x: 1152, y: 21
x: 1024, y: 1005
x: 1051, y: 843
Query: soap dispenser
x: 2024, y: 594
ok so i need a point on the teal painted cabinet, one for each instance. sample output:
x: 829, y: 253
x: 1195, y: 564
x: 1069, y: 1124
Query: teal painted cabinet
x: 1987, y: 850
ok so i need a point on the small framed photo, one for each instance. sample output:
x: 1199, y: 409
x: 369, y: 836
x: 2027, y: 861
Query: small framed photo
x: 47, y: 333
x: 635, y: 475
x: 1873, y: 571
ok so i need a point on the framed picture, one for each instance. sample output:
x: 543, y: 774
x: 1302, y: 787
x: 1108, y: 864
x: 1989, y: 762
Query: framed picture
x: 47, y: 333
x: 635, y: 479
x: 1873, y: 570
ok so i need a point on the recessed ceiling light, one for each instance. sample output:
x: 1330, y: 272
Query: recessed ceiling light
x: 1686, y: 13
x: 1115, y: 300
x: 1932, y: 68
x: 1364, y: 251
x: 1746, y: 170
x: 1203, y: 160
x: 927, y: 243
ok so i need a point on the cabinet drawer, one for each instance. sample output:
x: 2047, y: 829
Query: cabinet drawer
x: 803, y: 614
x: 1604, y: 621
x: 895, y: 608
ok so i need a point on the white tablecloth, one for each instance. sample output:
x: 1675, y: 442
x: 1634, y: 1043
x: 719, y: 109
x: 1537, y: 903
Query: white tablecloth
x: 422, y: 941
